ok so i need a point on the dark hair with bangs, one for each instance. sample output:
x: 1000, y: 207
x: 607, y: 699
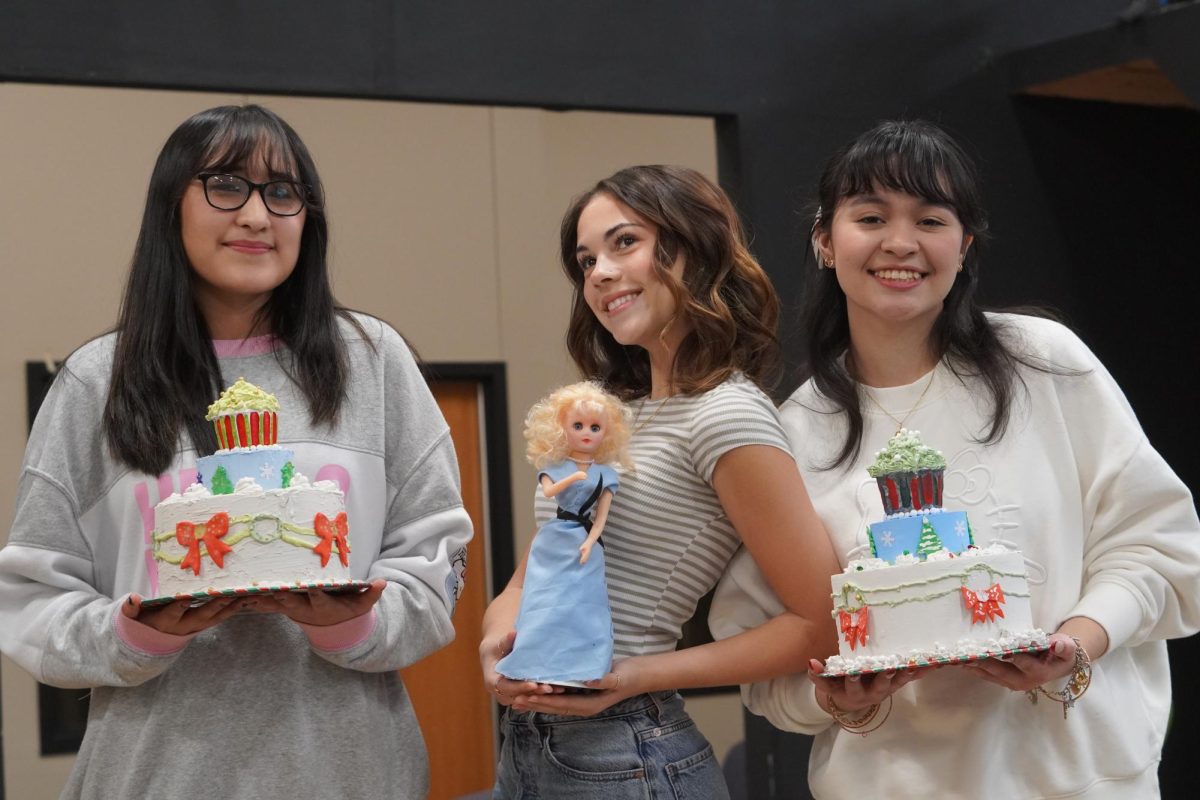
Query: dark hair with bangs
x: 165, y: 372
x: 724, y: 296
x: 920, y: 159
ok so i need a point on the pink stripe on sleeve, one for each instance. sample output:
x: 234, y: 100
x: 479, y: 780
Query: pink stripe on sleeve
x: 342, y: 636
x: 147, y: 640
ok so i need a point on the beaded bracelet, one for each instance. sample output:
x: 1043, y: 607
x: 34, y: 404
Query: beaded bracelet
x: 1077, y: 683
x: 857, y: 725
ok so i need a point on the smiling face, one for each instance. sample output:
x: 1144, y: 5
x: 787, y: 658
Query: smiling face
x: 616, y: 251
x: 896, y: 256
x: 585, y: 429
x: 238, y: 257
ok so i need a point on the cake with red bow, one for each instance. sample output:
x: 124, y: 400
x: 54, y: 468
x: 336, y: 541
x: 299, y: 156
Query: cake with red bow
x: 927, y: 594
x: 251, y: 522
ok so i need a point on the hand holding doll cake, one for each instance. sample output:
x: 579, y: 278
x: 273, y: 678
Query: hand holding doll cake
x: 252, y: 523
x: 927, y: 595
x: 564, y: 626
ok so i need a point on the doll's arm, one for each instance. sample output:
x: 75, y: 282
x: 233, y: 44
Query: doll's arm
x: 550, y: 488
x: 602, y: 505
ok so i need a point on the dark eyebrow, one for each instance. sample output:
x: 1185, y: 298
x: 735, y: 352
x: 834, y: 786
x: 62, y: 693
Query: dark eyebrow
x: 608, y: 234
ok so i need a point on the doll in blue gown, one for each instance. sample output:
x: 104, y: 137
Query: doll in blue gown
x: 564, y: 626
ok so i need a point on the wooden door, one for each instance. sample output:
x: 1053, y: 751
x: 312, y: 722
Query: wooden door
x: 455, y: 713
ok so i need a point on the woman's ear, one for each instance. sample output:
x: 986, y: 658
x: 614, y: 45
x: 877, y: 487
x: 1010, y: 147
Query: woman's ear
x: 822, y: 250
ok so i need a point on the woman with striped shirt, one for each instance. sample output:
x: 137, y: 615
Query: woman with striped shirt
x: 673, y: 314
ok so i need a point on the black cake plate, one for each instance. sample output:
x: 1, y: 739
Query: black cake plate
x: 205, y: 595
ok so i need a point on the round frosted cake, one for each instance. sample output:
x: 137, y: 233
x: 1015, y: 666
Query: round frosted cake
x: 251, y: 523
x: 927, y: 595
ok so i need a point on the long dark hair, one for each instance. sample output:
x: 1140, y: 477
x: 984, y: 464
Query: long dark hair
x: 920, y: 159
x: 165, y: 372
x: 725, y: 297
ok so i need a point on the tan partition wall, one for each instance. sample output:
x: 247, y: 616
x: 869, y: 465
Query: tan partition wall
x: 444, y: 222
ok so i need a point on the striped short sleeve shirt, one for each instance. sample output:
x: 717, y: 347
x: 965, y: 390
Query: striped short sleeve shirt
x: 667, y: 539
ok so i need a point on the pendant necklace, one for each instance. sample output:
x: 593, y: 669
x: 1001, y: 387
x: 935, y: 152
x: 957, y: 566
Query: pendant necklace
x: 901, y: 420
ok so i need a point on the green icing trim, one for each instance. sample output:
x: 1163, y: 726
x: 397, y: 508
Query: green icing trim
x: 293, y: 536
x: 285, y: 474
x: 905, y: 452
x: 851, y: 591
x: 242, y: 396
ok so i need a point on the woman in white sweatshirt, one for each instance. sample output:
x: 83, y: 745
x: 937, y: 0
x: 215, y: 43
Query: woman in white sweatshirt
x: 1044, y: 454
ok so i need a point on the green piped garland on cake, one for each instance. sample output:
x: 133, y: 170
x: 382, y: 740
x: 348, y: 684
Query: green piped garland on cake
x: 850, y: 589
x: 249, y: 531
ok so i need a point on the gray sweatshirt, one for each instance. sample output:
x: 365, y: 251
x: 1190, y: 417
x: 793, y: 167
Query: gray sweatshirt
x: 256, y: 706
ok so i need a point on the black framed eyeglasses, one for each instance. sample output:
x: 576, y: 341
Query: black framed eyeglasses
x: 230, y: 192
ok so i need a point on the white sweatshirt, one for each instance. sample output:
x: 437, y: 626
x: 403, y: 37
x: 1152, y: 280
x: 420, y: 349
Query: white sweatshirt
x: 1108, y: 532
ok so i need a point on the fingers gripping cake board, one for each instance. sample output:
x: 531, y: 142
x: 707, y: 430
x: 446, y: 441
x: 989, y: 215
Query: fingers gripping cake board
x: 926, y: 595
x: 251, y: 524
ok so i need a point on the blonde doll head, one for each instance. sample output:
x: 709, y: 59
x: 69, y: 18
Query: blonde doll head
x: 545, y: 425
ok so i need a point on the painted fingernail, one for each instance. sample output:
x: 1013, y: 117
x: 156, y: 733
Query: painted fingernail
x: 814, y: 665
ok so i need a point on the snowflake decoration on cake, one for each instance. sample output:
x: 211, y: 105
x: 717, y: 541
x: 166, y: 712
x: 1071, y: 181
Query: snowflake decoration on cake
x: 887, y: 539
x: 266, y: 471
x: 960, y: 528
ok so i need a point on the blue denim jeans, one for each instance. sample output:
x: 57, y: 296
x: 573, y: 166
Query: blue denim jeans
x: 643, y: 747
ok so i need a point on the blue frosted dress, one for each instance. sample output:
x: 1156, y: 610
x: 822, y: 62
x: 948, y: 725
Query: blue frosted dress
x: 564, y: 627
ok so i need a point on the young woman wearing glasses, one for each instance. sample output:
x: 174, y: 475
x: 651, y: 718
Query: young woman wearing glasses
x: 299, y: 695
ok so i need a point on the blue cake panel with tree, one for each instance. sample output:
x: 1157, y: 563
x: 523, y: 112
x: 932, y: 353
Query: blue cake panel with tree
x: 266, y: 465
x: 919, y: 534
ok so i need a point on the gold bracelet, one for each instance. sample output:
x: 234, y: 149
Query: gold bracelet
x: 1077, y: 682
x: 857, y: 725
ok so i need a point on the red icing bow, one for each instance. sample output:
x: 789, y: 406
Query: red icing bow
x: 216, y: 527
x: 854, y: 626
x: 330, y: 532
x: 984, y: 606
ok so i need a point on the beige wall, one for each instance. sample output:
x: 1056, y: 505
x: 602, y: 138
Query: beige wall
x: 444, y: 222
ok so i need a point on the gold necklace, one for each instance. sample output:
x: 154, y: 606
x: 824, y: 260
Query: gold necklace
x: 900, y: 422
x: 638, y: 428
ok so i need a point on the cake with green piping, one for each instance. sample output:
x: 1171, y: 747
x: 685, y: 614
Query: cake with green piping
x: 926, y: 594
x: 251, y: 523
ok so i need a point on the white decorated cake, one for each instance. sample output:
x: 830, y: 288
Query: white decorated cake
x: 251, y: 523
x: 927, y: 595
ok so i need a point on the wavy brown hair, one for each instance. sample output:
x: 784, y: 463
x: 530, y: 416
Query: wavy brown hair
x: 724, y: 296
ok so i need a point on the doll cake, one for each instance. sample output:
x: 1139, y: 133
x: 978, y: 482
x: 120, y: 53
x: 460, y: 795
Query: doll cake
x: 927, y: 595
x: 251, y: 523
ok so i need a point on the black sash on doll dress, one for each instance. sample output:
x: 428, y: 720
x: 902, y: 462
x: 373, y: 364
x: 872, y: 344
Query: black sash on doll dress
x: 583, y: 518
